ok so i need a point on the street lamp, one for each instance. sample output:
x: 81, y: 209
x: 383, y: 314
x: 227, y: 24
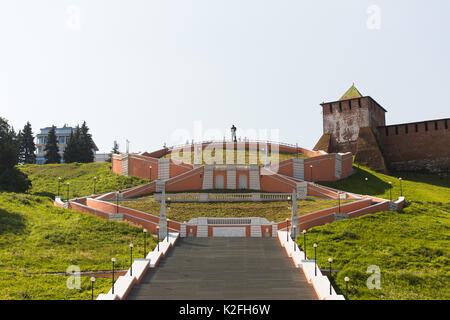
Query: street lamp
x: 346, y: 279
x: 295, y: 227
x: 366, y: 185
x: 150, y: 173
x: 296, y: 148
x: 304, y: 241
x: 59, y: 181
x: 131, y: 259
x: 145, y: 242
x: 315, y: 259
x: 157, y: 232
x: 330, y: 260
x: 95, y: 180
x: 117, y: 201
x: 339, y: 201
x: 310, y: 167
x: 113, y: 260
x: 68, y: 184
x: 401, y: 190
x: 287, y: 230
x: 390, y: 191
x: 92, y: 287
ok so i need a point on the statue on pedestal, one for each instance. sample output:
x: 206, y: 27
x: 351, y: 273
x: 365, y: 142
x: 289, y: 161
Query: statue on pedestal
x: 233, y: 133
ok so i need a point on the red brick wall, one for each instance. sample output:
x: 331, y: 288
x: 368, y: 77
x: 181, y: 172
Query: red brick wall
x: 400, y: 146
x: 193, y: 182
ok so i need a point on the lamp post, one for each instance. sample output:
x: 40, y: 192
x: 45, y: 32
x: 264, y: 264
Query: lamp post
x: 346, y: 279
x: 296, y: 148
x: 117, y: 201
x: 366, y: 179
x: 310, y: 167
x: 113, y: 260
x: 59, y: 181
x: 157, y: 232
x: 339, y: 201
x: 131, y: 259
x: 150, y: 173
x: 330, y: 260
x: 401, y: 189
x: 287, y: 230
x: 315, y: 259
x: 304, y: 241
x: 68, y: 184
x: 295, y: 227
x: 95, y: 180
x: 168, y: 208
x: 390, y: 191
x: 145, y: 242
x: 92, y: 287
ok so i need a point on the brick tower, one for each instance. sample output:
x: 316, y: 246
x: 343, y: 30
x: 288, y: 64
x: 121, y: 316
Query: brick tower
x: 350, y: 125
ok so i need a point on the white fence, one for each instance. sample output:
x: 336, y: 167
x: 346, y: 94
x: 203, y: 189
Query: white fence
x: 224, y: 197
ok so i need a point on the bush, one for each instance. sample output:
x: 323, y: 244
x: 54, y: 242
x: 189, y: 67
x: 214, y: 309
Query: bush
x: 14, y: 180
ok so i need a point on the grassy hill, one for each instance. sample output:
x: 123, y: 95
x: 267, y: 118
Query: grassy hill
x: 411, y: 246
x: 273, y: 211
x: 44, y: 179
x: 37, y: 238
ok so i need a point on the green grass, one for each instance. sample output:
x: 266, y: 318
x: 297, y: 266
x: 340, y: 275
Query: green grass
x: 410, y: 246
x: 273, y: 211
x: 44, y: 179
x: 37, y: 237
x: 238, y: 156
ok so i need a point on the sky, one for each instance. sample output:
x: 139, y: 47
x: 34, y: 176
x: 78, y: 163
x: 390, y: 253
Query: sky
x: 167, y: 71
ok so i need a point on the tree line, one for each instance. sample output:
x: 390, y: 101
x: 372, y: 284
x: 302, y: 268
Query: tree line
x: 20, y: 148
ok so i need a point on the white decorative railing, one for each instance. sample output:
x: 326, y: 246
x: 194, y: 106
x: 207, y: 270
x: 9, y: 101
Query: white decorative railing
x: 224, y: 197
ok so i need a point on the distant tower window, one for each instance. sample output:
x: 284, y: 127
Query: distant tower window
x: 396, y: 130
x: 406, y: 129
x: 435, y: 125
x: 349, y: 104
x: 387, y: 131
x: 340, y: 107
x: 445, y: 123
x: 426, y: 126
x: 359, y: 103
x: 417, y: 127
x: 331, y: 108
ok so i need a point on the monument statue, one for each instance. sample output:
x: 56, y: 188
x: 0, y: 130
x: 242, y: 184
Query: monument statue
x: 233, y: 133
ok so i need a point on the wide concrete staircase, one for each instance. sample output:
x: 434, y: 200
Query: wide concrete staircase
x: 225, y: 268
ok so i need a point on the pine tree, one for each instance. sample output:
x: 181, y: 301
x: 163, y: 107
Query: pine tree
x: 72, y: 151
x: 26, y: 145
x: 51, y: 148
x: 8, y: 146
x: 11, y: 179
x: 115, y: 150
x: 86, y: 145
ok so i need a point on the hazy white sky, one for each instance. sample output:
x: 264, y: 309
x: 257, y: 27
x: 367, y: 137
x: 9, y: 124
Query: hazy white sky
x: 144, y: 70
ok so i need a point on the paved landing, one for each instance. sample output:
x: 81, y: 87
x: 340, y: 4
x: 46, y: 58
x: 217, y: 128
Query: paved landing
x: 224, y: 268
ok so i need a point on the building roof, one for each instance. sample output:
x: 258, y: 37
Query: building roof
x: 351, y: 93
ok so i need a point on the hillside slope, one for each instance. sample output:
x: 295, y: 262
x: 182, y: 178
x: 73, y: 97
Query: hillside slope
x: 410, y: 247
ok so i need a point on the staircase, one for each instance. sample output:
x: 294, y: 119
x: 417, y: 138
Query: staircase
x: 224, y: 268
x: 299, y: 168
x: 207, y: 178
x: 254, y: 178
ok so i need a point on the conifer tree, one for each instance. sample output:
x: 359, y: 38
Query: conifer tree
x: 51, y: 147
x: 11, y: 179
x: 86, y: 145
x: 115, y: 150
x: 26, y: 145
x: 71, y: 153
